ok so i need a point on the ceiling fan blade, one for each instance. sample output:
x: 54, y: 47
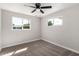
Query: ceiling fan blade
x: 44, y: 7
x: 41, y: 11
x: 30, y: 6
x: 34, y: 10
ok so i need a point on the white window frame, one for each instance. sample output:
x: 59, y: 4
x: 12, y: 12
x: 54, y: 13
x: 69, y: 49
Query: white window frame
x: 22, y: 25
x: 53, y: 19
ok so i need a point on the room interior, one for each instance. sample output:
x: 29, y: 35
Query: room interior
x: 39, y: 29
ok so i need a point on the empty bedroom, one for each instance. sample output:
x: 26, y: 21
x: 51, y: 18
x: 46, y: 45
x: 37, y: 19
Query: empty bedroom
x: 39, y: 29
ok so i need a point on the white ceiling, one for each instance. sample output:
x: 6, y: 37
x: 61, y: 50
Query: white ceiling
x: 20, y: 8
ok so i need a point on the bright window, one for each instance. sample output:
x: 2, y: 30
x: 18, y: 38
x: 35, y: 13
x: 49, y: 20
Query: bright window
x: 55, y: 22
x: 26, y: 24
x: 58, y: 22
x: 20, y: 23
x: 50, y: 22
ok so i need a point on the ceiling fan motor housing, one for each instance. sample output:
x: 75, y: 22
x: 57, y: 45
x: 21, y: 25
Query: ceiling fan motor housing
x: 38, y: 5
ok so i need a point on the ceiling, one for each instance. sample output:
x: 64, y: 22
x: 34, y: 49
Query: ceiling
x: 20, y: 8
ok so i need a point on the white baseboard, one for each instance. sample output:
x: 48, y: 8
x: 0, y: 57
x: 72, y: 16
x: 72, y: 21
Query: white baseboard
x: 17, y: 43
x: 62, y: 46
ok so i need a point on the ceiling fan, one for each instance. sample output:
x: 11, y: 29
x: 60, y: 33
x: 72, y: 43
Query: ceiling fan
x: 38, y: 6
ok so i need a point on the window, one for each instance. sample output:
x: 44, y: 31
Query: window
x: 26, y: 24
x: 50, y: 22
x: 20, y: 23
x: 58, y: 22
x: 17, y: 23
x: 55, y: 22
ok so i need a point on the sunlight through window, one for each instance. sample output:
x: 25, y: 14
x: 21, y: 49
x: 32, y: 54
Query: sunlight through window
x: 20, y: 23
x: 55, y: 22
x: 15, y: 52
x: 8, y: 54
x: 58, y: 22
x: 21, y: 50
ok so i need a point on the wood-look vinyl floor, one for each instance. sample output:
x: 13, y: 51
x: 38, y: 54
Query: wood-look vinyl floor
x: 36, y: 48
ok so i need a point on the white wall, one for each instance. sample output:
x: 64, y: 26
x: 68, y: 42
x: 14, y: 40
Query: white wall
x: 66, y: 35
x: 11, y: 37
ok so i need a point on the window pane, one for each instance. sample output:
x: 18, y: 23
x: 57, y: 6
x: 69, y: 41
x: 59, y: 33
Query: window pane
x: 17, y: 23
x: 20, y: 23
x: 57, y: 21
x: 25, y: 21
x: 26, y: 24
x: 50, y: 22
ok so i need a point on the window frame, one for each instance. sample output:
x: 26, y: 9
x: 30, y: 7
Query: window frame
x: 22, y: 24
x: 53, y: 19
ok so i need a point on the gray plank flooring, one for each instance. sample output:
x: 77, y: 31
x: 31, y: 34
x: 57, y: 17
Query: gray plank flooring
x: 36, y: 48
